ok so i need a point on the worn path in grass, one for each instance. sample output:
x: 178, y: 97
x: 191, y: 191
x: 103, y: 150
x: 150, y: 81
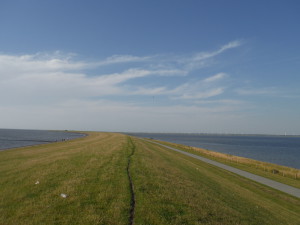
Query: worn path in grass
x: 271, y: 183
x: 132, y: 199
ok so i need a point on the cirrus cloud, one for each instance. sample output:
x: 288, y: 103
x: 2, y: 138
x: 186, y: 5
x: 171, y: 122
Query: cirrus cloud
x: 65, y: 86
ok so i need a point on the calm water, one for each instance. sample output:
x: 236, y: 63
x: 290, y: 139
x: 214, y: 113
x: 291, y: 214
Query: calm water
x: 282, y: 150
x: 10, y: 138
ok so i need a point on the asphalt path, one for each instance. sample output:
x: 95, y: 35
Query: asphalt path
x: 268, y: 182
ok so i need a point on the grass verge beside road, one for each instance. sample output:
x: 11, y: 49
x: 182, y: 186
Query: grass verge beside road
x: 172, y: 188
x: 283, y: 174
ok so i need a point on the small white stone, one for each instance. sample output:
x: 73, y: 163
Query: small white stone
x: 63, y: 195
x: 37, y: 182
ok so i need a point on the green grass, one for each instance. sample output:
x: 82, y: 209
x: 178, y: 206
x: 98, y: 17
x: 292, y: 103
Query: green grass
x: 91, y: 171
x: 286, y: 175
x: 169, y: 188
x: 176, y: 189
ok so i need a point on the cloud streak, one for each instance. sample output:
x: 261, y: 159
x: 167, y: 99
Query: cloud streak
x: 116, y: 59
x: 206, y: 55
x: 200, y: 59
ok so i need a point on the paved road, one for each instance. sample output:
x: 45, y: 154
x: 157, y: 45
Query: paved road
x: 271, y: 183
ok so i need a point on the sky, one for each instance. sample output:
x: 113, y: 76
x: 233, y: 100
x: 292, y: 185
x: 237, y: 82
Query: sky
x: 191, y: 66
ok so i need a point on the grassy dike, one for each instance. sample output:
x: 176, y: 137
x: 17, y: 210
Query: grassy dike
x: 95, y: 173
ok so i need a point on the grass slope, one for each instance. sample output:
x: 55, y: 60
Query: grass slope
x: 175, y: 189
x: 169, y: 188
x: 283, y: 174
x: 91, y: 171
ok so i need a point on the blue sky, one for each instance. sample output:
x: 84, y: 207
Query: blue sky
x: 154, y: 66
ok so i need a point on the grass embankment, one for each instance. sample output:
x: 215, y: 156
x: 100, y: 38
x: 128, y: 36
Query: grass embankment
x: 169, y: 188
x: 283, y: 174
x: 91, y: 171
x: 172, y: 188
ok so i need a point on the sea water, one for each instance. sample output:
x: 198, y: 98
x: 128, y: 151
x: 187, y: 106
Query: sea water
x: 12, y: 138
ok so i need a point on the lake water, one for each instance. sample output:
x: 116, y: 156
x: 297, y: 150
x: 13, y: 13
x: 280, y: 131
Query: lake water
x: 282, y: 150
x: 11, y: 138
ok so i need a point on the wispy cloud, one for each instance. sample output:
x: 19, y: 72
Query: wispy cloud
x: 270, y: 92
x: 215, y: 77
x: 117, y: 78
x: 58, y: 61
x: 58, y: 85
x: 116, y: 59
x: 16, y: 65
x: 150, y: 91
x: 201, y: 89
x: 205, y: 55
x: 54, y: 79
x: 58, y: 90
x: 201, y: 94
x: 200, y: 59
